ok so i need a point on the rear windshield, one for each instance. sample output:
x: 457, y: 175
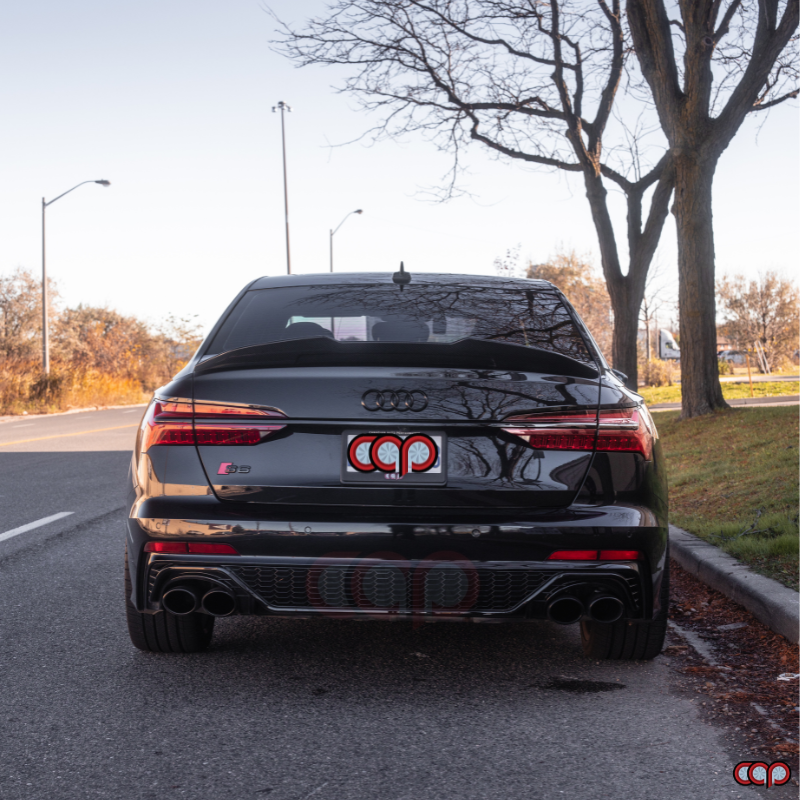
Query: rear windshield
x: 421, y: 313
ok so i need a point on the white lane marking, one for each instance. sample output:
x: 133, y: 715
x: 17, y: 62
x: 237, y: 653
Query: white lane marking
x: 26, y: 425
x: 135, y: 411
x: 31, y: 525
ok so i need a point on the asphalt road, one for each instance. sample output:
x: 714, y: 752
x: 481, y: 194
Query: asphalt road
x: 289, y: 710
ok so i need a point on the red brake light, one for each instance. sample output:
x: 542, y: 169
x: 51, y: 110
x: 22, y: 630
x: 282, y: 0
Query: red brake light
x: 172, y: 422
x: 573, y: 555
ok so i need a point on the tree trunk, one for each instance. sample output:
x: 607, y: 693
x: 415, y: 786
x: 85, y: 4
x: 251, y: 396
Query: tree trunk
x: 700, y: 387
x: 624, y: 352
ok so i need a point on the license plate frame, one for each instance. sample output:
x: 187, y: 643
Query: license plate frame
x: 436, y: 475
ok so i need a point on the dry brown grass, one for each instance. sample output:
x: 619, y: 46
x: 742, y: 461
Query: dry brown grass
x: 23, y: 388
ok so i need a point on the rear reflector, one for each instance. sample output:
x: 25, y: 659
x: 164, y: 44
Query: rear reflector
x: 172, y: 422
x: 166, y: 547
x: 625, y: 430
x: 198, y: 548
x: 207, y: 548
x: 592, y: 555
x: 619, y: 555
x: 573, y: 555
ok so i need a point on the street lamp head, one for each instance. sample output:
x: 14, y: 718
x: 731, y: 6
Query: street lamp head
x: 282, y: 106
x: 359, y: 211
x: 104, y: 183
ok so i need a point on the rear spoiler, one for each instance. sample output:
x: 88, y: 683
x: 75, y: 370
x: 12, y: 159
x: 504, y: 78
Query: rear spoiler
x: 322, y: 351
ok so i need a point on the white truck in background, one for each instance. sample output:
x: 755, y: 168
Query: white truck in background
x: 667, y: 346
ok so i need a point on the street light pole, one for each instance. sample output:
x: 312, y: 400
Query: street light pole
x: 332, y: 232
x: 283, y: 108
x: 45, y: 337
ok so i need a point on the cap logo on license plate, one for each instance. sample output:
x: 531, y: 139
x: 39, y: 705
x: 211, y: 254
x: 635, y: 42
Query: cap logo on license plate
x: 393, y: 453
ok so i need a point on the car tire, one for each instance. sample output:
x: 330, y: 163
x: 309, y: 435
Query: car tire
x: 163, y: 632
x: 626, y: 640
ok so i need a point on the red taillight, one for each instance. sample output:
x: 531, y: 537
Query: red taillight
x: 593, y: 555
x: 214, y: 411
x: 232, y: 434
x: 568, y: 440
x: 628, y: 430
x: 557, y: 431
x: 198, y: 548
x: 173, y: 422
x: 573, y: 555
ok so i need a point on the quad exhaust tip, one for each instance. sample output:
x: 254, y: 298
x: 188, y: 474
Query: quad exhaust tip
x: 606, y: 608
x: 565, y: 610
x: 218, y: 602
x: 180, y: 600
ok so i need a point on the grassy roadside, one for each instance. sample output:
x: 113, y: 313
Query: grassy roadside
x: 28, y: 391
x: 730, y: 391
x: 734, y: 482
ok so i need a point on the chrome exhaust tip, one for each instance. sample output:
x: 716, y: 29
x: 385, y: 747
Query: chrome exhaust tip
x: 606, y: 608
x: 218, y: 603
x: 180, y: 600
x: 565, y: 610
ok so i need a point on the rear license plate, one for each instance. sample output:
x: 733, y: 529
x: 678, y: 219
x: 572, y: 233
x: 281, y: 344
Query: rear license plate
x: 384, y: 457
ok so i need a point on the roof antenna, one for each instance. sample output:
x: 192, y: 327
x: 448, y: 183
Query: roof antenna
x: 401, y: 278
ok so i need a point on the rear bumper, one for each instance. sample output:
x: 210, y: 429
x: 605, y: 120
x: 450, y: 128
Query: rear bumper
x: 390, y: 589
x: 455, y: 568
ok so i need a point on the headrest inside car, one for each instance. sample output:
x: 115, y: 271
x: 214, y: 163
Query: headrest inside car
x: 305, y: 330
x: 400, y: 331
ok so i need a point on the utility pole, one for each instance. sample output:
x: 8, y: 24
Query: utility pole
x: 332, y: 231
x: 282, y: 107
x: 45, y: 336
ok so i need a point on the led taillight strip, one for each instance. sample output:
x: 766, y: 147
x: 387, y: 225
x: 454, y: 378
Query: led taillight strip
x: 621, y: 430
x: 181, y: 422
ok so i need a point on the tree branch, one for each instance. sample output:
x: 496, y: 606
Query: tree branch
x: 757, y: 106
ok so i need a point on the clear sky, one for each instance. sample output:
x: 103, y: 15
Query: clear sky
x: 170, y: 100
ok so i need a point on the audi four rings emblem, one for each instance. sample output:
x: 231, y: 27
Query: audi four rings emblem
x: 401, y: 400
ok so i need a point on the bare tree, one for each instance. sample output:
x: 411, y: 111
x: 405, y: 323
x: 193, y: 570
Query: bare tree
x: 708, y: 69
x: 21, y: 314
x: 584, y: 288
x: 531, y: 81
x: 761, y: 314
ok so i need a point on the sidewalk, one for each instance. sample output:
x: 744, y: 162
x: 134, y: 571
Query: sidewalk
x: 782, y: 400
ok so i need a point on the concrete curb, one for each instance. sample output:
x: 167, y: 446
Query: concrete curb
x: 769, y: 601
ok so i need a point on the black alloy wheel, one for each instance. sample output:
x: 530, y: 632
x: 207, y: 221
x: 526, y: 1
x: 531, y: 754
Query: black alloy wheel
x: 163, y: 632
x: 625, y: 640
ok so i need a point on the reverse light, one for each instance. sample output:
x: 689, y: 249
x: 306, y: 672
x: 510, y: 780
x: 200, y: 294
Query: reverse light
x: 626, y: 430
x: 174, y: 422
x: 198, y: 548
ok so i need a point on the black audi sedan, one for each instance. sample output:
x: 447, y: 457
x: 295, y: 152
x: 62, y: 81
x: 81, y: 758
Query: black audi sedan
x: 398, y: 447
